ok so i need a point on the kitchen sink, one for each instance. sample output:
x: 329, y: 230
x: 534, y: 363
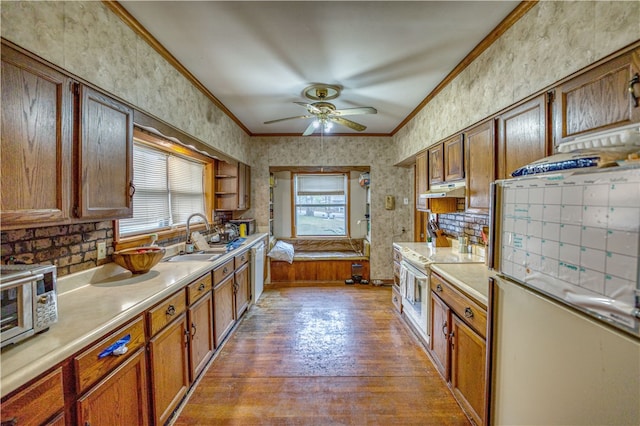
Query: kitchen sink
x: 198, y: 257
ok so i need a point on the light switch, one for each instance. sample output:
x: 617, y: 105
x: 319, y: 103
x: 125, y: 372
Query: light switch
x: 405, y: 201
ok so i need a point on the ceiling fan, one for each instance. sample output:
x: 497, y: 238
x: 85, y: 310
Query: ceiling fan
x: 325, y: 113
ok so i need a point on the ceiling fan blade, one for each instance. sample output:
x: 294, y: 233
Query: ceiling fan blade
x: 288, y: 118
x: 310, y: 129
x: 310, y: 107
x: 348, y: 123
x: 354, y: 111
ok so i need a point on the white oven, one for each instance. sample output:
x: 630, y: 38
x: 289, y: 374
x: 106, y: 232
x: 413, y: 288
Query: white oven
x: 414, y: 289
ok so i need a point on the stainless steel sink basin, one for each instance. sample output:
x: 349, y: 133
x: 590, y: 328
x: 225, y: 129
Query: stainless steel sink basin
x: 199, y: 257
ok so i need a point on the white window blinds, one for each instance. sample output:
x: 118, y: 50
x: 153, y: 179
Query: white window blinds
x: 168, y: 190
x: 320, y: 184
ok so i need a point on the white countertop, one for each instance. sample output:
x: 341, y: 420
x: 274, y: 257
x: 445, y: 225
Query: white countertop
x: 439, y: 254
x: 471, y: 278
x: 93, y: 303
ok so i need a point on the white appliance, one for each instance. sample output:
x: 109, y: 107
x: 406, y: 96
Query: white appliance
x: 257, y: 270
x: 415, y: 271
x: 565, y: 305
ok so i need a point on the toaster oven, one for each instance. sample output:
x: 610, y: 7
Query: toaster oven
x: 28, y: 301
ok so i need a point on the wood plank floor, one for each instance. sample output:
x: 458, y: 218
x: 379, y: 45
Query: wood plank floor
x: 322, y: 355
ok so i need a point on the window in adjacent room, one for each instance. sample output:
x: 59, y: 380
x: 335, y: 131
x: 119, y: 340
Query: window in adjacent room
x: 320, y: 204
x: 169, y: 188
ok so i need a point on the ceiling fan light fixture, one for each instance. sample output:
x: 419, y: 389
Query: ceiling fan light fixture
x: 322, y: 92
x: 316, y: 123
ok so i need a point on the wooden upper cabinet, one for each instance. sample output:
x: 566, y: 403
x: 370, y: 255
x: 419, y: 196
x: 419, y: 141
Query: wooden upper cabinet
x: 244, y: 186
x: 598, y: 99
x: 105, y: 157
x: 480, y: 165
x: 453, y: 158
x: 522, y: 136
x: 37, y: 137
x: 436, y: 164
x: 422, y: 184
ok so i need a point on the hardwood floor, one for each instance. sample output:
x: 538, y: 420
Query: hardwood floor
x: 322, y: 355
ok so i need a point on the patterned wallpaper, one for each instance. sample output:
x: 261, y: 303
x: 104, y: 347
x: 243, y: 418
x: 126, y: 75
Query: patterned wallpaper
x: 375, y: 152
x: 88, y: 40
x: 553, y: 40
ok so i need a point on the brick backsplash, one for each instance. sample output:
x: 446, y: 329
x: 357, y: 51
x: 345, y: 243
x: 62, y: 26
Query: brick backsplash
x: 462, y: 223
x: 72, y: 248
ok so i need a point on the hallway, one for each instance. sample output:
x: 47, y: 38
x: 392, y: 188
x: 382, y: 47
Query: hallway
x: 322, y: 355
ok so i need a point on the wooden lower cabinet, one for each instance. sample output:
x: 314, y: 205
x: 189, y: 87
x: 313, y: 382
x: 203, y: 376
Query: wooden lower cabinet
x: 169, y: 361
x: 458, y: 346
x: 37, y: 403
x: 120, y: 398
x: 201, y: 343
x: 468, y: 364
x: 223, y: 308
x: 242, y: 289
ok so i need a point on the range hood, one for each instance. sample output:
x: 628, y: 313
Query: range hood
x: 452, y: 190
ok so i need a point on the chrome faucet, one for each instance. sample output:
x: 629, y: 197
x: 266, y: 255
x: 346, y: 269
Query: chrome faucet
x: 189, y: 220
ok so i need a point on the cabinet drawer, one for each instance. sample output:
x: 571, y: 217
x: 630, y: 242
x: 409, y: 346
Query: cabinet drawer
x: 396, y: 269
x: 397, y: 255
x: 36, y: 403
x: 89, y: 368
x: 241, y: 259
x: 199, y: 288
x: 222, y: 271
x: 166, y: 312
x: 396, y: 299
x: 469, y: 311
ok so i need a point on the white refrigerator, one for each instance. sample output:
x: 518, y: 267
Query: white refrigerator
x: 565, y: 306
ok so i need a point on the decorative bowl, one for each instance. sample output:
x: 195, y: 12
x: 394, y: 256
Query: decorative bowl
x: 139, y: 260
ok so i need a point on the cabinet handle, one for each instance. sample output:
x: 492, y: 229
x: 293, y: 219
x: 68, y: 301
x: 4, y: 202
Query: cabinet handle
x: 444, y: 328
x: 468, y: 313
x: 11, y: 422
x: 201, y: 287
x: 171, y: 310
x: 395, y: 298
x: 225, y: 270
x: 438, y: 288
x: 635, y: 80
x: 193, y: 329
x: 132, y: 189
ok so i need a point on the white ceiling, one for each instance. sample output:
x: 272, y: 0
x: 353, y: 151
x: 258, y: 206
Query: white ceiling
x: 257, y: 57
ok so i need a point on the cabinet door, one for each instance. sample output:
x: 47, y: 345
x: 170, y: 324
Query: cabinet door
x: 121, y: 398
x: 37, y: 132
x: 105, y: 156
x: 422, y: 183
x: 522, y: 136
x: 598, y: 99
x: 201, y: 345
x: 453, y: 159
x: 223, y: 308
x: 480, y: 166
x: 36, y: 403
x: 244, y: 186
x: 243, y: 289
x: 436, y: 164
x: 169, y: 368
x: 468, y: 364
x: 440, y: 329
